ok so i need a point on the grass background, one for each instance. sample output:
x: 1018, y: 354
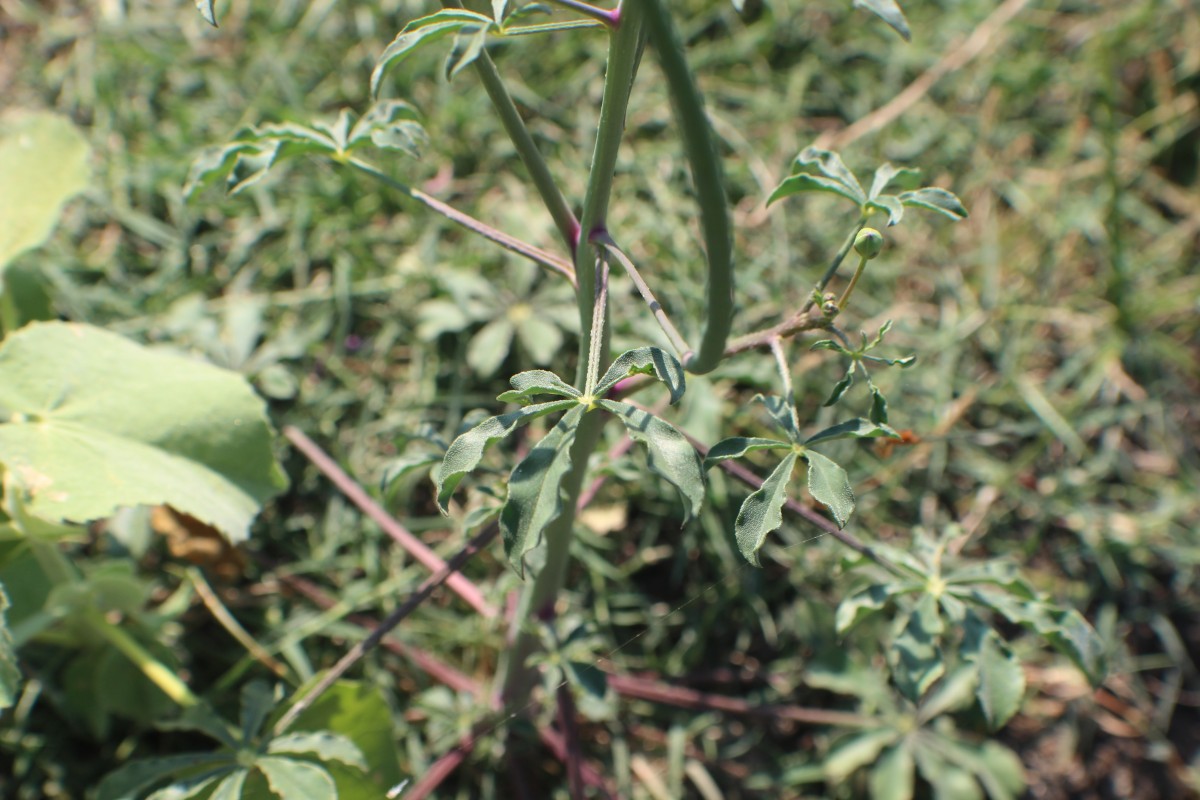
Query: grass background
x: 1056, y: 331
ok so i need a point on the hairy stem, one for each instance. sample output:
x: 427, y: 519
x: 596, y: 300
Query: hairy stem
x: 599, y: 315
x: 625, y: 42
x: 701, y: 147
x: 664, y: 322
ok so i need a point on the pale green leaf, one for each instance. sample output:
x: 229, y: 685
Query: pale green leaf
x: 527, y: 385
x: 466, y: 451
x: 888, y: 11
x: 916, y: 658
x: 43, y: 163
x: 864, y: 603
x: 857, y: 751
x: 489, y: 347
x: 857, y: 428
x: 257, y: 701
x: 325, y: 745
x: 231, y: 787
x: 93, y: 422
x: 291, y: 779
x: 499, y: 7
x: 534, y: 497
x: 1001, y: 682
x: 796, y: 184
x: 671, y: 455
x: 828, y: 483
x: 738, y: 446
x: 762, y: 512
x: 834, y: 177
x: 954, y: 692
x: 540, y: 337
x: 646, y: 361
x: 423, y: 31
x: 205, y: 7
x: 886, y: 174
x: 468, y: 44
x: 782, y: 412
x: 893, y: 774
x: 935, y: 199
x: 890, y: 205
x: 188, y: 788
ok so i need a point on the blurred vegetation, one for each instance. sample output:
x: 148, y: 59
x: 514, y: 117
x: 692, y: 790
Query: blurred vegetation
x: 1053, y: 411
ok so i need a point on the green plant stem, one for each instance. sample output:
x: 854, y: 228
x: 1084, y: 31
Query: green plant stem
x: 514, y: 126
x: 535, y: 254
x: 599, y: 315
x: 664, y: 322
x: 151, y: 667
x: 858, y: 271
x: 516, y: 678
x: 609, y: 18
x: 832, y: 269
x: 701, y: 148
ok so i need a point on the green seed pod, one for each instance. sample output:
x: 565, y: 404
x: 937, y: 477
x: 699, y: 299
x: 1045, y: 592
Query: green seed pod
x: 868, y: 243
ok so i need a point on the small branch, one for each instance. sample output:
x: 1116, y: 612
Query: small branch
x: 461, y: 585
x: 801, y: 321
x: 359, y: 650
x: 558, y: 746
x: 535, y: 254
x: 655, y: 692
x: 609, y: 18
x: 681, y: 347
x: 845, y: 298
x: 441, y: 769
x: 832, y: 269
x: 514, y: 126
x: 231, y: 625
x: 570, y: 730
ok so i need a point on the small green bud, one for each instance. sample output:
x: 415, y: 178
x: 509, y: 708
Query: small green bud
x: 868, y: 243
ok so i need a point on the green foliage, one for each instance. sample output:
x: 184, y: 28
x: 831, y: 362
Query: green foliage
x: 93, y: 422
x: 291, y: 766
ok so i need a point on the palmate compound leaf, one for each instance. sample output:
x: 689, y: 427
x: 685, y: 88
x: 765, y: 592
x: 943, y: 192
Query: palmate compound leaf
x: 534, y: 497
x: 646, y: 361
x: 423, y: 31
x: 466, y: 451
x: 671, y: 455
x: 92, y: 422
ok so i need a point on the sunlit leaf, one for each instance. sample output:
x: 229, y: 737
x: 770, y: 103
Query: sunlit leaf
x: 466, y: 451
x: 527, y: 385
x: 135, y: 777
x: 96, y: 422
x: 292, y: 779
x: 205, y: 7
x: 864, y: 603
x: 489, y: 346
x: 43, y: 163
x: 889, y: 11
x: 828, y: 483
x: 423, y: 31
x: 857, y: 428
x: 646, y: 361
x: 671, y: 455
x: 534, y: 496
x: 468, y: 44
x: 738, y: 446
x: 324, y: 745
x: 886, y: 174
x: 857, y: 751
x: 1001, y: 682
x: 916, y: 658
x: 893, y: 774
x: 935, y: 199
x: 762, y: 511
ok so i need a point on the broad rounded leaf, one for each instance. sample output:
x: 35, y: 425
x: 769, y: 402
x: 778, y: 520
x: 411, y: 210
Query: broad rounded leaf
x: 762, y: 512
x: 324, y: 745
x: 93, y: 422
x: 424, y: 31
x: 936, y: 199
x: 646, y: 361
x: 489, y: 347
x: 291, y: 779
x: 738, y: 446
x: 540, y: 337
x: 466, y: 451
x: 1001, y: 682
x: 888, y: 11
x: 828, y: 483
x: 43, y: 163
x: 534, y: 497
x: 671, y: 455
